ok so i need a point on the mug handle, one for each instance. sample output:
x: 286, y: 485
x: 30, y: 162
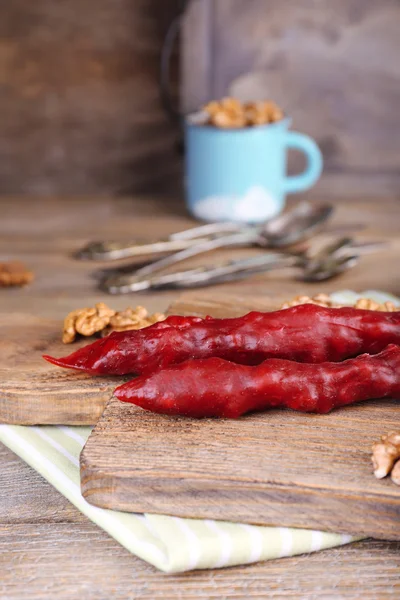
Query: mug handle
x: 303, y: 181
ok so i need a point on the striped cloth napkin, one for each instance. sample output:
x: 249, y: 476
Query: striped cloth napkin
x: 169, y: 543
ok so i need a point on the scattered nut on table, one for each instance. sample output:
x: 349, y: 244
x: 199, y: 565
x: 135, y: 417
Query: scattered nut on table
x: 395, y: 474
x: 368, y: 304
x: 132, y: 318
x: 319, y: 300
x: 14, y: 274
x: 102, y: 318
x: 385, y: 457
x: 234, y: 114
x: 325, y: 300
x: 86, y: 321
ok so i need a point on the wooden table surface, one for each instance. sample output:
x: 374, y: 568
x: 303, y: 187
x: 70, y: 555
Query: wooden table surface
x: 48, y: 548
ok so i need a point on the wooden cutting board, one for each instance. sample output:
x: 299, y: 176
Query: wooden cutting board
x: 32, y: 391
x: 274, y: 468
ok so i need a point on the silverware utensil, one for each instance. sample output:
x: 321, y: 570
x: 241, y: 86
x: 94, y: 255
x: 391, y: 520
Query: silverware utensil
x: 113, y: 250
x: 116, y: 250
x: 288, y: 229
x: 331, y: 260
x: 327, y: 263
x: 279, y: 231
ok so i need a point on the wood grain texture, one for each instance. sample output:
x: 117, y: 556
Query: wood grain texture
x: 332, y: 68
x: 59, y: 559
x: 274, y: 468
x: 31, y: 555
x: 25, y: 497
x: 44, y: 235
x: 80, y: 101
x: 34, y: 392
x: 42, y: 534
x: 45, y: 232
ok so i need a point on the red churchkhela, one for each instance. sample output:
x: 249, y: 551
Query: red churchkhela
x: 214, y: 387
x: 306, y: 333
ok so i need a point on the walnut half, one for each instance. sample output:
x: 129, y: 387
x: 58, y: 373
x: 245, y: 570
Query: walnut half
x: 319, y: 300
x: 324, y: 300
x: 101, y: 318
x: 385, y: 455
x: 14, y: 274
x: 368, y: 304
x: 86, y: 321
x: 132, y: 318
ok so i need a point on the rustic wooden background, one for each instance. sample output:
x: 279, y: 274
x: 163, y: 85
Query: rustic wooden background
x: 79, y: 101
x: 333, y: 66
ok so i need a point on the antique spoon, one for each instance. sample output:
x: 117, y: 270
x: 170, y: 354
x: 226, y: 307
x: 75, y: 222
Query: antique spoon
x: 279, y: 231
x: 285, y: 230
x: 329, y: 262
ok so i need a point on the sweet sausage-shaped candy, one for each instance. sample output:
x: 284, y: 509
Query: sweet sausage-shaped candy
x: 215, y: 387
x: 305, y: 333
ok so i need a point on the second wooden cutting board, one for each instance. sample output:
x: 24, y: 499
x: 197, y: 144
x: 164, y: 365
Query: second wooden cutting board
x: 274, y: 468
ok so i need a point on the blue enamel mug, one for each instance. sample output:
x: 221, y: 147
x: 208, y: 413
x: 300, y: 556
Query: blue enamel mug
x: 240, y: 174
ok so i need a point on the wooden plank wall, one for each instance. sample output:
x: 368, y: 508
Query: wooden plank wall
x: 79, y: 102
x: 333, y: 66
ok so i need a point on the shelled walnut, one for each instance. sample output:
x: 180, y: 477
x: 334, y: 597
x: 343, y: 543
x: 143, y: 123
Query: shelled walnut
x: 368, y: 304
x: 395, y: 474
x: 325, y: 300
x: 86, y: 321
x: 385, y: 457
x: 230, y: 113
x: 101, y: 318
x: 319, y: 300
x: 14, y: 274
x: 132, y: 318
